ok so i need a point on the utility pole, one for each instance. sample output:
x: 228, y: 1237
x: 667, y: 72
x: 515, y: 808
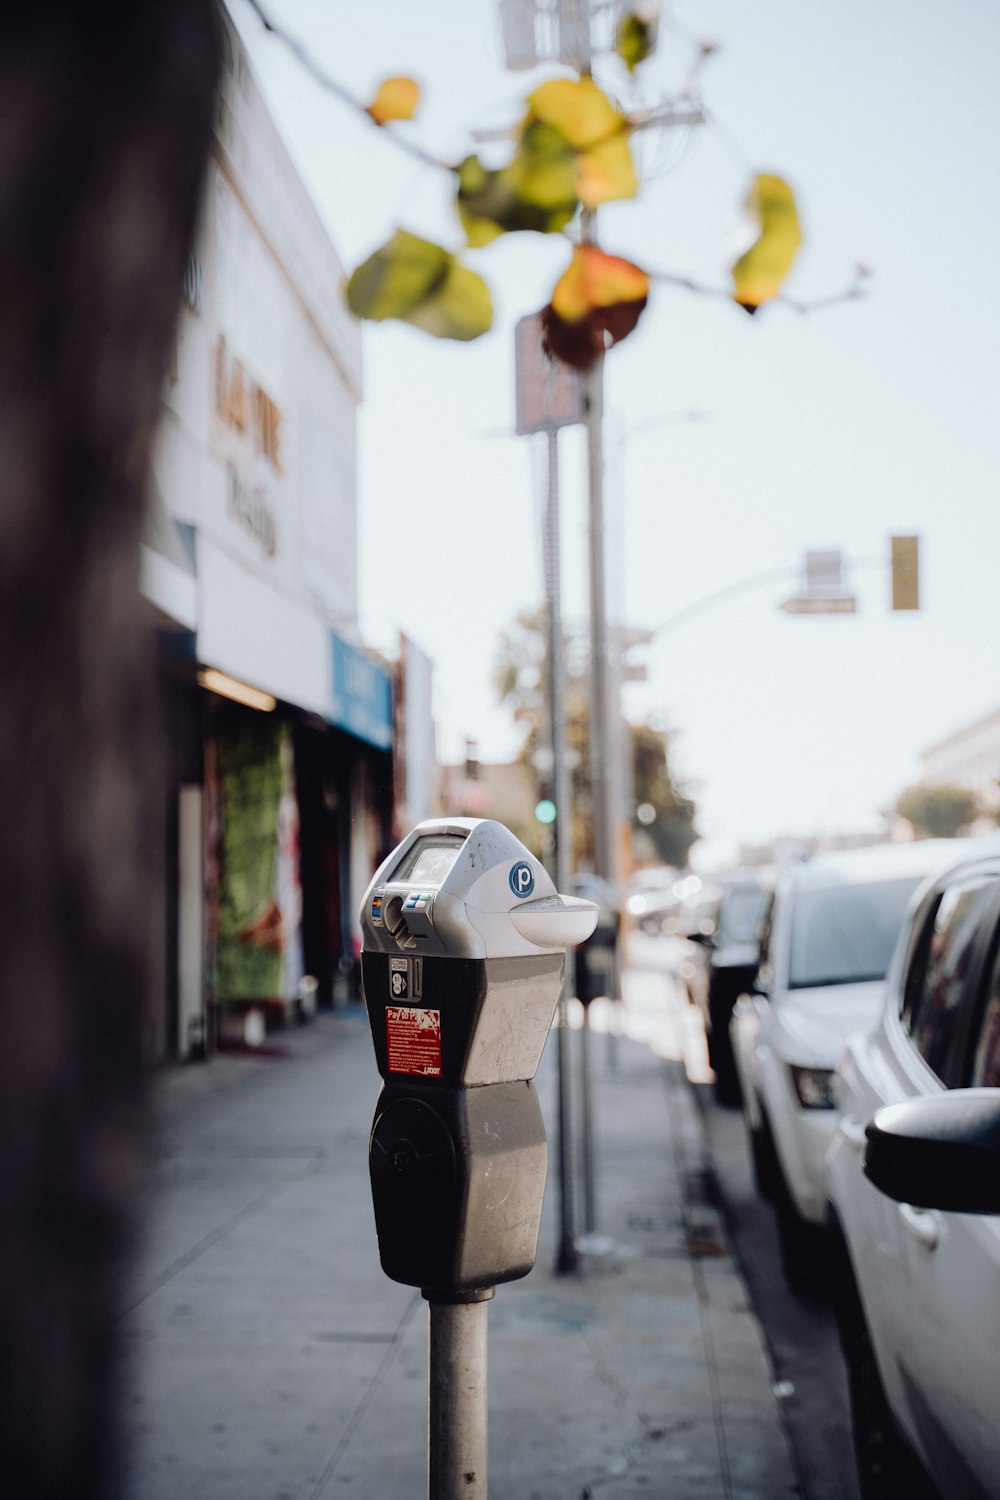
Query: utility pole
x: 603, y: 781
x: 601, y: 774
x: 548, y: 396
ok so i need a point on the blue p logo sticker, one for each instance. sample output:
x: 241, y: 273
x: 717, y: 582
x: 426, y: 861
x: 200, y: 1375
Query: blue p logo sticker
x: 522, y: 880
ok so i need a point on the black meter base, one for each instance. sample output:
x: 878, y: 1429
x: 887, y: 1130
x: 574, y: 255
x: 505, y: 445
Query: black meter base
x: 458, y: 1178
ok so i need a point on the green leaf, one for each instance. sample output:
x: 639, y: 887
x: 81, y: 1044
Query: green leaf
x: 461, y: 309
x: 491, y: 203
x: 635, y: 36
x: 397, y: 278
x: 572, y: 148
x: 759, y: 274
x: 543, y: 169
x: 420, y: 283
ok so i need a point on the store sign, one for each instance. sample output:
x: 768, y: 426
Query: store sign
x: 362, y: 695
x: 250, y: 507
x: 253, y: 462
x: 547, y: 392
x: 244, y: 405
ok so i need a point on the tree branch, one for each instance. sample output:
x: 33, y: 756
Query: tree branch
x: 687, y: 283
x: 338, y: 90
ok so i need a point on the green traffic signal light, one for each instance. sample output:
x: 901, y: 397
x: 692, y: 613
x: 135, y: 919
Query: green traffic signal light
x: 545, y: 811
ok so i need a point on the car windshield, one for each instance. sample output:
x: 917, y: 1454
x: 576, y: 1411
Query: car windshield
x: 845, y: 934
x: 741, y: 913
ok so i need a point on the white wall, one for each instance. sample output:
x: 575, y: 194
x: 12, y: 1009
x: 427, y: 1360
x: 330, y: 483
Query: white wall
x: 257, y: 447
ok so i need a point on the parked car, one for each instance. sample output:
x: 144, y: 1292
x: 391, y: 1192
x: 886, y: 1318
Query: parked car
x: 653, y: 903
x: 825, y: 949
x: 695, y: 927
x: 721, y: 964
x: 598, y: 958
x: 913, y: 1184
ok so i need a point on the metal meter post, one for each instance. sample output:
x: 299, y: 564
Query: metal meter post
x: 462, y: 964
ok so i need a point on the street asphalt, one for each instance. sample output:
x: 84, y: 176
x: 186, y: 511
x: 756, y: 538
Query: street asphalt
x: 269, y: 1358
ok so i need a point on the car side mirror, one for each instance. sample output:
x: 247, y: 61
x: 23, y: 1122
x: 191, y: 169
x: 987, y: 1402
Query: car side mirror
x: 940, y: 1152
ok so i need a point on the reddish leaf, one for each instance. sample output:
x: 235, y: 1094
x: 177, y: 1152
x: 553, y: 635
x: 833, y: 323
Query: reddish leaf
x: 596, y: 303
x: 596, y: 279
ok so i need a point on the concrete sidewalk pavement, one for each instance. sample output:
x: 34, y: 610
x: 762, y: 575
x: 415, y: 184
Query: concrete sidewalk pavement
x: 272, y: 1360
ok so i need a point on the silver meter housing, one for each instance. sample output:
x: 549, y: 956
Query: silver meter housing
x: 467, y: 888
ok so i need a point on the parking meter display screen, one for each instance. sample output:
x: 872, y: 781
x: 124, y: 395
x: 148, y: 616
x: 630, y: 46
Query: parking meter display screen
x: 430, y: 859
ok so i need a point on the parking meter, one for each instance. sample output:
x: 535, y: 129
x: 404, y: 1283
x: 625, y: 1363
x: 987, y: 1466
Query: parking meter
x: 462, y: 966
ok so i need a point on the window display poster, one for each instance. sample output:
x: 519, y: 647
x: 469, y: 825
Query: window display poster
x: 259, y: 932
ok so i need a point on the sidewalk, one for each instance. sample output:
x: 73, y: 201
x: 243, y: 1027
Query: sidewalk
x: 272, y: 1360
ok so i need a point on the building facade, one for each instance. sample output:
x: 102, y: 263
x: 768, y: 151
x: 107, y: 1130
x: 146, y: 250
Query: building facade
x: 278, y: 722
x: 969, y: 759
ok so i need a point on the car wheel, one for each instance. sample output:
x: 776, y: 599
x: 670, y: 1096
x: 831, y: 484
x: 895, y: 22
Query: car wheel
x: 887, y: 1466
x: 804, y: 1247
x: 762, y: 1158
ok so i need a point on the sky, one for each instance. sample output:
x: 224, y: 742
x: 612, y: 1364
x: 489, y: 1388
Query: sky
x: 834, y: 427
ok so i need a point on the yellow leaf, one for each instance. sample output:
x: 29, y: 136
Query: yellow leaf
x: 606, y: 172
x: 759, y: 274
x: 578, y: 109
x: 595, y: 279
x: 420, y: 283
x: 397, y: 99
x: 594, y: 135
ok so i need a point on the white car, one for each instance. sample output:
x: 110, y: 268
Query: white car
x: 913, y: 1184
x: 825, y: 948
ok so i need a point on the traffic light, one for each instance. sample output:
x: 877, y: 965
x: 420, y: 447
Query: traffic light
x: 906, y: 572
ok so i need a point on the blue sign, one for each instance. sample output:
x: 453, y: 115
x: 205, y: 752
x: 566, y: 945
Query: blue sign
x: 522, y: 879
x: 362, y: 695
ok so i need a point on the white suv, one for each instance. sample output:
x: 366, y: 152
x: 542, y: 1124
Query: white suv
x: 913, y: 1174
x: 825, y: 949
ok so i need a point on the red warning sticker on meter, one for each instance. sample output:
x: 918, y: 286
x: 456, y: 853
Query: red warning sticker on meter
x: 414, y: 1038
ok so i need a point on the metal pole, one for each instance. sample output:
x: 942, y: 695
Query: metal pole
x: 457, y: 1425
x: 562, y: 795
x: 601, y: 744
x: 601, y: 774
x: 586, y: 1100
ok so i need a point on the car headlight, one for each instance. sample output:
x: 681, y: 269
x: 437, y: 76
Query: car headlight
x: 814, y: 1087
